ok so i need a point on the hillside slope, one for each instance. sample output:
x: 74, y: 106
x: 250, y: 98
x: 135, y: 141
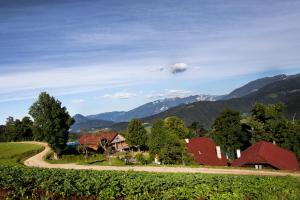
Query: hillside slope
x: 286, y: 91
x: 253, y: 86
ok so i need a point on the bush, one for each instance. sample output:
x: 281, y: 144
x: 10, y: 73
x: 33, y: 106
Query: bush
x: 23, y: 183
x: 142, y: 159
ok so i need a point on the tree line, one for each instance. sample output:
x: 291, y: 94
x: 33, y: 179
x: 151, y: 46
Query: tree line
x: 49, y: 122
x: 231, y: 130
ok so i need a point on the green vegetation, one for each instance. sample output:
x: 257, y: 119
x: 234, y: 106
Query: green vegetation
x: 165, y: 141
x: 228, y: 132
x: 93, y: 159
x: 265, y: 122
x: 14, y: 153
x: 51, y: 122
x: 16, y: 130
x: 20, y: 182
x: 136, y: 133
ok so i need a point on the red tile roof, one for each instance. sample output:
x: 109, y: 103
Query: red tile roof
x: 268, y: 153
x: 204, y: 152
x: 92, y: 140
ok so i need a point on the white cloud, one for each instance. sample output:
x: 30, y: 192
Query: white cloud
x: 178, y: 68
x: 120, y: 95
x: 170, y: 94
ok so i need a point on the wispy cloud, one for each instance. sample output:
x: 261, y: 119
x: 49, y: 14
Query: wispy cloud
x: 174, y: 93
x: 120, y: 95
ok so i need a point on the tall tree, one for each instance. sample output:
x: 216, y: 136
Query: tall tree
x: 227, y: 132
x: 176, y: 126
x: 197, y: 130
x: 136, y: 133
x: 267, y: 123
x: 172, y: 150
x: 157, y: 137
x: 52, y: 120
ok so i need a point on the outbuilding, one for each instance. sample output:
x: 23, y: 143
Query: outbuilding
x: 267, y: 155
x: 205, y: 151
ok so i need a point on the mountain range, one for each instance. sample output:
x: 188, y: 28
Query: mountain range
x: 148, y: 109
x: 204, y: 108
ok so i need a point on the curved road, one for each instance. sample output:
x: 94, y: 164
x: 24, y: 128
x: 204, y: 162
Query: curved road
x: 38, y: 161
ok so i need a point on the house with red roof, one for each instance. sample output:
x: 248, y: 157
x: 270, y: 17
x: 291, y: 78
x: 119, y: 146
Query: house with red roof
x: 205, y: 151
x: 110, y: 138
x: 267, y: 155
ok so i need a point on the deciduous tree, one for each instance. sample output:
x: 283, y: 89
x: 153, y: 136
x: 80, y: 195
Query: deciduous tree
x: 136, y: 133
x: 52, y: 121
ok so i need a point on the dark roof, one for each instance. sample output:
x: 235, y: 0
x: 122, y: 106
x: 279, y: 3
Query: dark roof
x: 93, y: 140
x: 204, y: 152
x: 268, y: 153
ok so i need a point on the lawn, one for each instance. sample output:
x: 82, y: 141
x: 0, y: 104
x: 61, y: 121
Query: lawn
x: 14, y: 153
x: 92, y: 159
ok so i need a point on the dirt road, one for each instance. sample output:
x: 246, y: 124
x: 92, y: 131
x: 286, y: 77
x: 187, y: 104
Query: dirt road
x: 37, y: 161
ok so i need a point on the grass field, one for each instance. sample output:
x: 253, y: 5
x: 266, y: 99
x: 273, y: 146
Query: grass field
x: 94, y: 159
x: 14, y: 153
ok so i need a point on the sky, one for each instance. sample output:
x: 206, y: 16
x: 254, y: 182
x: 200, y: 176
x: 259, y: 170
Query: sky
x: 100, y: 56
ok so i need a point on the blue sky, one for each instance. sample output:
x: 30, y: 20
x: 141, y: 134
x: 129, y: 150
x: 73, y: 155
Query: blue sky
x: 99, y: 56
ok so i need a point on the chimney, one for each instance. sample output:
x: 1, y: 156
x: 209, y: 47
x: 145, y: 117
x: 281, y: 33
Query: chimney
x: 187, y: 141
x: 219, y: 154
x: 274, y: 142
x: 238, y: 153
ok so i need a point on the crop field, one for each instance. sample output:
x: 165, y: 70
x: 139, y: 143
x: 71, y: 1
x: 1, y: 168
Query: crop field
x: 32, y: 183
x: 13, y: 153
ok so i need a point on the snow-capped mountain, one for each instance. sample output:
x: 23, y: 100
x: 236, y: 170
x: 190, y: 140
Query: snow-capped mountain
x: 150, y: 108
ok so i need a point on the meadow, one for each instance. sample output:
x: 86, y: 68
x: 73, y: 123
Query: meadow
x: 14, y: 153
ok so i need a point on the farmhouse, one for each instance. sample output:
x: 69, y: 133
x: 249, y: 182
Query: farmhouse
x: 111, y: 138
x: 205, y: 151
x: 267, y: 155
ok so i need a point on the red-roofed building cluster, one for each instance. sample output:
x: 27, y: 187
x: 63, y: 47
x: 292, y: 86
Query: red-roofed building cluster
x: 260, y: 155
x: 112, y: 138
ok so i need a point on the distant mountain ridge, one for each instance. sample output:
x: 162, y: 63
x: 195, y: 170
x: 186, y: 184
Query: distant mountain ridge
x: 204, y: 108
x: 148, y: 109
x: 286, y: 90
x: 253, y: 86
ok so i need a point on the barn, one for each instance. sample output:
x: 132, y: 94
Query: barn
x: 112, y: 138
x: 267, y: 155
x: 205, y: 151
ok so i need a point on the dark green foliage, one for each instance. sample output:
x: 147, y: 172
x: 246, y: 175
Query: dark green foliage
x: 228, y: 132
x: 2, y: 133
x: 292, y: 137
x: 51, y: 121
x: 266, y: 122
x: 18, y: 130
x: 172, y: 150
x: 65, y: 184
x: 136, y: 133
x: 176, y: 126
x: 165, y: 143
x: 197, y: 130
x: 157, y: 137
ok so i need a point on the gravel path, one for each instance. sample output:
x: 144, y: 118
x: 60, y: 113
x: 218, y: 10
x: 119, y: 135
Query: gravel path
x: 38, y: 161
